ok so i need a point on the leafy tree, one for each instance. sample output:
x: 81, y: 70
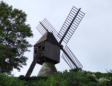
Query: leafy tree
x: 13, y: 34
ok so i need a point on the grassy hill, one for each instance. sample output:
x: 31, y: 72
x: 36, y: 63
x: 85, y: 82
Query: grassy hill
x: 71, y: 78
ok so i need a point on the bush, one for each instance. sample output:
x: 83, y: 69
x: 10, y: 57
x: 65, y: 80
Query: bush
x: 10, y: 81
x: 71, y: 78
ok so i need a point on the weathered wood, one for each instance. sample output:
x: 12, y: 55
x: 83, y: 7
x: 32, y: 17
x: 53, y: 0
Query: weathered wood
x: 31, y: 68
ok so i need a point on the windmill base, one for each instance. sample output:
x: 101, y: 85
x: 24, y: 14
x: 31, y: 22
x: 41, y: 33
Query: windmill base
x: 47, y: 69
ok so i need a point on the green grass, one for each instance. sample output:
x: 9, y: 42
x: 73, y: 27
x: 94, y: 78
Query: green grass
x: 71, y: 78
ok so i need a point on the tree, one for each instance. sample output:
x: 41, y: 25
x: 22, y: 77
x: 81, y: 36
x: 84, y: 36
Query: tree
x: 13, y: 34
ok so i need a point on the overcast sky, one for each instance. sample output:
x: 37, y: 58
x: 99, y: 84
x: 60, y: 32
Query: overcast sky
x: 91, y: 43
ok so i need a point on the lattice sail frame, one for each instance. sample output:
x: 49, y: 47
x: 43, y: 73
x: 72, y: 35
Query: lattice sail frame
x: 45, y: 26
x: 71, y: 23
x: 73, y: 57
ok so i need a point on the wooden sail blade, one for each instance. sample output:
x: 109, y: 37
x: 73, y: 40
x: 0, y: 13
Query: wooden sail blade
x: 41, y: 29
x: 74, y: 57
x: 72, y: 60
x: 70, y: 25
x: 46, y: 26
x: 69, y: 63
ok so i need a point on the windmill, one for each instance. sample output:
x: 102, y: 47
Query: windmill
x: 47, y: 49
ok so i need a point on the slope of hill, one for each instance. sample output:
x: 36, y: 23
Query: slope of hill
x: 71, y: 78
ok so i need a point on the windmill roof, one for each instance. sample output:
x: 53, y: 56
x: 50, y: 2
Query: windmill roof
x: 48, y: 37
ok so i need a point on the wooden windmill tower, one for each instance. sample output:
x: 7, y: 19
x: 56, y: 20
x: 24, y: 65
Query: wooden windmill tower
x: 47, y: 49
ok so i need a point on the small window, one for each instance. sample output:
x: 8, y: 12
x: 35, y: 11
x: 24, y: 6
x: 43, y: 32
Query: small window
x: 39, y: 46
x: 43, y: 48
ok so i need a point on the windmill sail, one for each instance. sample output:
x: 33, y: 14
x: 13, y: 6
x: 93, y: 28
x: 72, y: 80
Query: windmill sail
x: 72, y: 57
x: 70, y: 25
x: 41, y: 29
x: 69, y: 63
x: 45, y: 26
